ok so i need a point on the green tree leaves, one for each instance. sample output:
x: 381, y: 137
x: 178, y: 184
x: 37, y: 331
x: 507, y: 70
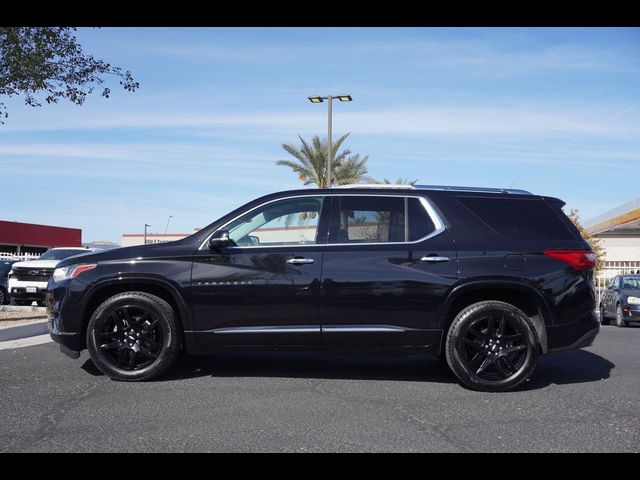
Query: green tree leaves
x: 310, y: 163
x: 48, y: 62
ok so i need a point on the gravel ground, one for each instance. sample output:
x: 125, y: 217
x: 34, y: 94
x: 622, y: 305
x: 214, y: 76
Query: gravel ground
x: 8, y: 319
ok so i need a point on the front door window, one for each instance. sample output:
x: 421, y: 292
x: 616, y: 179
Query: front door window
x: 292, y: 221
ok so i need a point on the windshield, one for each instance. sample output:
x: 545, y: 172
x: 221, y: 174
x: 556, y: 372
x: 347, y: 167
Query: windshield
x: 631, y: 282
x: 61, y: 254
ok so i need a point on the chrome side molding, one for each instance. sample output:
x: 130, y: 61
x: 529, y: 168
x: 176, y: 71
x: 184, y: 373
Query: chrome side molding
x: 365, y: 329
x: 267, y: 329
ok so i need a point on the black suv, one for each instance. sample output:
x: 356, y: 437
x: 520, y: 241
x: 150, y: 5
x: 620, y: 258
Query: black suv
x: 487, y: 278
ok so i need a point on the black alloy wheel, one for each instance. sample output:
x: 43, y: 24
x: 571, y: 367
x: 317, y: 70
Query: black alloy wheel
x: 133, y: 336
x: 492, y: 346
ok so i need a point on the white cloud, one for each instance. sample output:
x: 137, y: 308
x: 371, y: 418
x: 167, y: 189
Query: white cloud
x: 442, y: 121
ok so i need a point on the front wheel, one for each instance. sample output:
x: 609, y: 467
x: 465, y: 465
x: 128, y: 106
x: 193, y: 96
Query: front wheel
x: 4, y: 296
x: 133, y: 336
x: 619, y: 318
x: 603, y: 318
x: 492, y: 346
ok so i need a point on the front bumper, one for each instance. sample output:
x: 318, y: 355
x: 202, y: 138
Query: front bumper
x: 631, y: 313
x: 27, y: 290
x: 70, y: 342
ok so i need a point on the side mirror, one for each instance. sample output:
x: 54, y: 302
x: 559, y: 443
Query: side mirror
x: 220, y: 239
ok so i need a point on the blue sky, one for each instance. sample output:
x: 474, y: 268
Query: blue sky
x: 553, y: 111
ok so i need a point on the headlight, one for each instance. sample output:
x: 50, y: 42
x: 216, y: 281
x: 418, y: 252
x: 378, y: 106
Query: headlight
x: 70, y: 272
x: 633, y: 300
x: 10, y: 273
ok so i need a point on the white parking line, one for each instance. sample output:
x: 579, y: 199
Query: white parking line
x: 25, y: 342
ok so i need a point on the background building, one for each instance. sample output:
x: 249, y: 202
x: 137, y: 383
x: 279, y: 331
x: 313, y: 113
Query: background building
x: 130, y: 239
x: 21, y: 238
x: 101, y: 245
x: 619, y: 234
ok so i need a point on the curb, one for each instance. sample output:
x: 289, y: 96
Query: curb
x: 24, y: 331
x: 17, y: 308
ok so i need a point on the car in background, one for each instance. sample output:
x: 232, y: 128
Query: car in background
x: 621, y: 301
x: 5, y: 266
x: 28, y: 280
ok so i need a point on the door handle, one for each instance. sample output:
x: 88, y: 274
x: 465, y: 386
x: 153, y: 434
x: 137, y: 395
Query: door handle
x: 434, y: 259
x: 300, y: 261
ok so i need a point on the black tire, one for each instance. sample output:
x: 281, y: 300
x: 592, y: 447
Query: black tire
x: 133, y: 336
x: 41, y: 303
x: 492, y: 359
x: 619, y: 317
x: 4, y: 296
x: 603, y: 317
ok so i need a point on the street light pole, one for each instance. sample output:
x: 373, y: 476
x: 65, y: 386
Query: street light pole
x: 145, y: 232
x: 330, y: 98
x: 168, y: 220
x: 330, y: 145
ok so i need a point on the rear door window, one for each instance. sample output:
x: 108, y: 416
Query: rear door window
x: 390, y: 219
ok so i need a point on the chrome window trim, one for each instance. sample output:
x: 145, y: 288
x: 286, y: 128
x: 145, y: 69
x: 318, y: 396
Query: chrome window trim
x: 426, y: 204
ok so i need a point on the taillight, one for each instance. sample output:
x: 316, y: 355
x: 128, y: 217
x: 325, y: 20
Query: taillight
x: 578, y: 259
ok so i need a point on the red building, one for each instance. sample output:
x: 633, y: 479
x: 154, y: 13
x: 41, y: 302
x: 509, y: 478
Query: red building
x: 17, y: 237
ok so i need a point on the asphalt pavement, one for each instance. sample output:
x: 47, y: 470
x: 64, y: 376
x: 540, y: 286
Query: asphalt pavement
x: 580, y: 401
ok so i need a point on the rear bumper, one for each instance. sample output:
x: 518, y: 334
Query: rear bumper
x: 577, y: 334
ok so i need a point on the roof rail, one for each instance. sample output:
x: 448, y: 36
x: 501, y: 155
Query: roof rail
x: 375, y: 185
x: 512, y: 191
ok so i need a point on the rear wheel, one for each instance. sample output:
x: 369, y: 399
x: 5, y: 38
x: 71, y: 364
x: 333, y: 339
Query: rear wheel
x: 133, y: 336
x: 492, y: 346
x: 619, y: 318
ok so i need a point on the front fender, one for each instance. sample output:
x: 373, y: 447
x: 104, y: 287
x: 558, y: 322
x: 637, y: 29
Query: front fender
x: 138, y: 281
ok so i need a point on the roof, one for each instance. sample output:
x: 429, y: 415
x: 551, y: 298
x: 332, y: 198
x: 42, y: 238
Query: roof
x: 622, y: 220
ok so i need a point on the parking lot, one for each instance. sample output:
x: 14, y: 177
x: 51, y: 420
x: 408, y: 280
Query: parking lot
x: 579, y: 401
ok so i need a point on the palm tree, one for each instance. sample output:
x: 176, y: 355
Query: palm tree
x: 352, y: 170
x: 311, y: 163
x: 399, y: 181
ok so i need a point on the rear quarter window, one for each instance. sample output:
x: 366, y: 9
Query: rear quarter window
x: 519, y: 218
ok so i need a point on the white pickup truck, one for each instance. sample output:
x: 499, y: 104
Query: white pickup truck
x: 28, y: 280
